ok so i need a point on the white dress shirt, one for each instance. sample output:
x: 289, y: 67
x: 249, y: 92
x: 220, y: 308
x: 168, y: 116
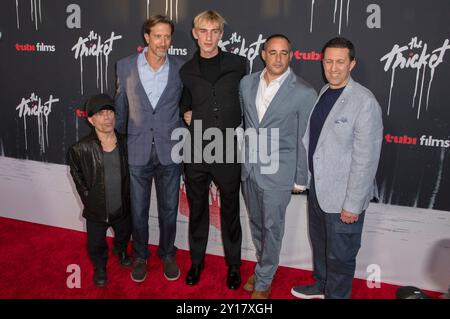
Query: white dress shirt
x: 266, y: 92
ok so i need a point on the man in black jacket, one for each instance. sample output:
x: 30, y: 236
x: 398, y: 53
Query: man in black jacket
x: 211, y: 101
x: 99, y: 168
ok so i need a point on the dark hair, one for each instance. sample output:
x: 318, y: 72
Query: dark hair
x: 154, y: 20
x: 342, y: 43
x: 274, y: 36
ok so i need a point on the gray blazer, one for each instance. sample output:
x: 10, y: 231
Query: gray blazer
x: 288, y: 112
x: 136, y: 117
x: 348, y: 150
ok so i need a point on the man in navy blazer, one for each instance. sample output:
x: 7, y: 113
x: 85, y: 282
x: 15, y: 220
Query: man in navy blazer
x: 148, y: 92
x: 343, y: 143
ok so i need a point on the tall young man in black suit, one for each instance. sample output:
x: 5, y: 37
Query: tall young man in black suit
x: 211, y: 100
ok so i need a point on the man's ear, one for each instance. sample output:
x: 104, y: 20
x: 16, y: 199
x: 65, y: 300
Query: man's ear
x: 147, y: 38
x: 263, y: 55
x: 352, y: 64
x: 194, y: 34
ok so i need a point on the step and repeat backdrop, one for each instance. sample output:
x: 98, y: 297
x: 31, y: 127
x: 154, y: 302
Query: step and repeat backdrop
x: 55, y: 54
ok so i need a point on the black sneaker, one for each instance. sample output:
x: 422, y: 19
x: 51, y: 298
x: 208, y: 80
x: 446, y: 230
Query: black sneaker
x: 171, y: 270
x: 139, y: 271
x: 100, y: 277
x: 307, y: 292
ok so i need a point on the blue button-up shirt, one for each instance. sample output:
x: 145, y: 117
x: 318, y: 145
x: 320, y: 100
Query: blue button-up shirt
x: 154, y: 82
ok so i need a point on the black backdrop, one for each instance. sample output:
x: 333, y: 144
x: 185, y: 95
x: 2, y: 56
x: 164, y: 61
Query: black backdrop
x: 55, y: 54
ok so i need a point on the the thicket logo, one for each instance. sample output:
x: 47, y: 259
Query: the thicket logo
x: 35, y: 107
x: 92, y: 46
x: 237, y: 44
x: 416, y: 56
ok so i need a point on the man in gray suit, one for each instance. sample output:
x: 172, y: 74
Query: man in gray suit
x: 148, y: 91
x: 343, y: 140
x: 276, y: 105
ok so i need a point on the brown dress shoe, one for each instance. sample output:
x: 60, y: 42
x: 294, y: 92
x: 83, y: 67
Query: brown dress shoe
x: 261, y: 294
x: 250, y: 284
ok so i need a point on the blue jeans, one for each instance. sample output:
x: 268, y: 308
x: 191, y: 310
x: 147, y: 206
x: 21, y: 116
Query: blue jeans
x: 167, y: 182
x: 334, y: 246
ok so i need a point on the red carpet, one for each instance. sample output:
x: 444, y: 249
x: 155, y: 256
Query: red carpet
x: 34, y: 261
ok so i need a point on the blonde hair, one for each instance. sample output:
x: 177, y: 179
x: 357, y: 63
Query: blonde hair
x: 211, y: 16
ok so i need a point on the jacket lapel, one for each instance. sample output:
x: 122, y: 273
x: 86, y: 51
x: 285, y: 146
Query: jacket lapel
x: 170, y: 80
x: 335, y: 111
x: 252, y: 104
x: 139, y: 87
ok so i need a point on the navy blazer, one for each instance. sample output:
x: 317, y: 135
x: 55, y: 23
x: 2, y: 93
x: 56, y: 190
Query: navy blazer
x: 136, y: 117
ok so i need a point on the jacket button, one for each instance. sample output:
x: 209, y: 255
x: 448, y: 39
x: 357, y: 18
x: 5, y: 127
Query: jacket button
x: 151, y: 129
x: 215, y: 109
x: 154, y: 112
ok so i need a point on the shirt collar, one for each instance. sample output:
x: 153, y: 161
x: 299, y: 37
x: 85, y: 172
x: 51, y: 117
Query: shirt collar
x: 279, y: 79
x: 143, y: 60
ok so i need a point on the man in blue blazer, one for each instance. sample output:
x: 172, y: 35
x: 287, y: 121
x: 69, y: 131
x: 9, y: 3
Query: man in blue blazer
x: 276, y: 105
x: 343, y: 141
x: 148, y: 92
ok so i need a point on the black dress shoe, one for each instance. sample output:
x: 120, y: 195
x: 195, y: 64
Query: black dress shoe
x: 233, y: 278
x: 100, y: 277
x: 193, y: 275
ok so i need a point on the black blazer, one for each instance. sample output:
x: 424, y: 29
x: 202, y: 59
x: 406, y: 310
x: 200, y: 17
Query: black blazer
x: 217, y: 105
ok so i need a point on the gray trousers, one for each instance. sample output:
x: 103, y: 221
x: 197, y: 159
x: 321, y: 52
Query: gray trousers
x: 266, y: 211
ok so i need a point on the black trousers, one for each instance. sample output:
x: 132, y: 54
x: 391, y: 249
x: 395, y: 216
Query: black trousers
x: 227, y: 178
x: 97, y: 245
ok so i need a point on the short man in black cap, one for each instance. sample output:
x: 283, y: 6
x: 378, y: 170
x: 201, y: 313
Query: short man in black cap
x: 99, y: 168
